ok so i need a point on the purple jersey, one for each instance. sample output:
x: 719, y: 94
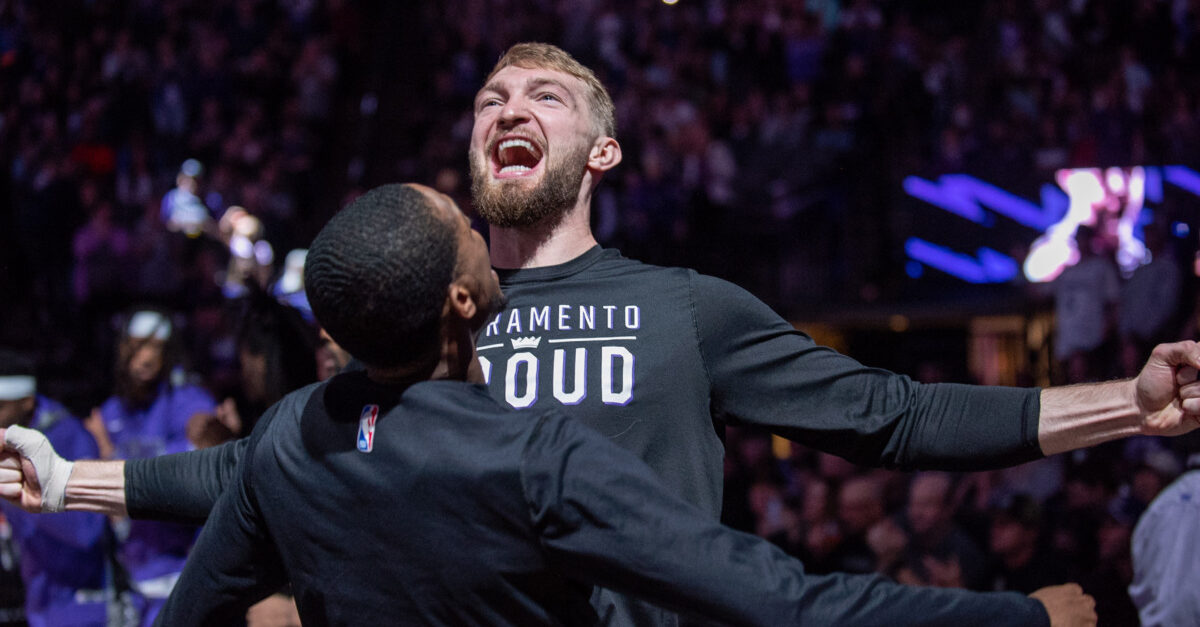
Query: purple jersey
x: 154, y: 552
x: 64, y: 556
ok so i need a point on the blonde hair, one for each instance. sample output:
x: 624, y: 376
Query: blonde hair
x: 535, y: 55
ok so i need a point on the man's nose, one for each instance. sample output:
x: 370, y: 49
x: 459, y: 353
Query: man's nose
x: 515, y: 111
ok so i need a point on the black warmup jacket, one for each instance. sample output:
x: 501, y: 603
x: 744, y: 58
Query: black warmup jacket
x: 453, y: 510
x: 659, y: 360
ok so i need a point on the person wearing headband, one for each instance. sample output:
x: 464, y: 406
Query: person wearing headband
x: 65, y: 560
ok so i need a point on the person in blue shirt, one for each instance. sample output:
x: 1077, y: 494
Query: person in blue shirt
x: 182, y: 209
x: 65, y: 560
x: 148, y: 416
x: 1164, y: 550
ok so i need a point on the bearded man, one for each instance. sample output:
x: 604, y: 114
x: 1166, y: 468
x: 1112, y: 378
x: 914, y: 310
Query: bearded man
x: 660, y: 359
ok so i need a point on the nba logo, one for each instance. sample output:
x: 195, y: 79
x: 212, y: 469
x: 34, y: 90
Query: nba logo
x: 366, y: 428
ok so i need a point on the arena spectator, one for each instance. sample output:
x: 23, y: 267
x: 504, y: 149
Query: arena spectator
x: 1021, y: 561
x: 860, y: 507
x: 66, y: 560
x: 148, y: 416
x: 939, y: 551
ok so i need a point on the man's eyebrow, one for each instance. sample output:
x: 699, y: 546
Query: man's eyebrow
x: 491, y: 88
x: 542, y: 81
x: 532, y: 83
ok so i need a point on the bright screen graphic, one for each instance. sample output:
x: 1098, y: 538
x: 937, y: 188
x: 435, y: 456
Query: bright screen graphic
x: 1115, y: 201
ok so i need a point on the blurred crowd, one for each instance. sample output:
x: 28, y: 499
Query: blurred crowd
x: 101, y: 105
x: 1066, y: 518
x: 777, y: 133
x: 171, y: 158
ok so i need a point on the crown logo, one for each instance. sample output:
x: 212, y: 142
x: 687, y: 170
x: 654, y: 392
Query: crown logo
x: 526, y: 342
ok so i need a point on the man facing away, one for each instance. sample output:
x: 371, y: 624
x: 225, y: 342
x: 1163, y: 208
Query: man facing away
x: 405, y: 494
x: 660, y: 359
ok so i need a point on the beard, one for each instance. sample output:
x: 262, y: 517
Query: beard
x: 505, y: 203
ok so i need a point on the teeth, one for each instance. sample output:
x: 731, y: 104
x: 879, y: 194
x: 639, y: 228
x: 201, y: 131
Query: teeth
x: 511, y: 169
x: 513, y: 143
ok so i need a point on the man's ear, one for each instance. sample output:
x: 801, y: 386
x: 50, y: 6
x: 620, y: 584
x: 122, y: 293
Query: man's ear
x: 460, y: 300
x: 605, y: 154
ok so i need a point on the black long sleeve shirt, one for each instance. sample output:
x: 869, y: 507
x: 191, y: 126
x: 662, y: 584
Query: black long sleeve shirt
x: 463, y: 512
x: 658, y: 360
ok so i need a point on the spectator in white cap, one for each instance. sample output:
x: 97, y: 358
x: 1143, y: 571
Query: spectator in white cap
x: 146, y: 417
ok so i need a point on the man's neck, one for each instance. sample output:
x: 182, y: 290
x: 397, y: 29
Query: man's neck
x: 547, y: 243
x: 457, y: 361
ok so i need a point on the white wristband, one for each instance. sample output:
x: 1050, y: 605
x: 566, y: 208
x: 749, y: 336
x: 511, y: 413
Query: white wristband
x: 52, y: 470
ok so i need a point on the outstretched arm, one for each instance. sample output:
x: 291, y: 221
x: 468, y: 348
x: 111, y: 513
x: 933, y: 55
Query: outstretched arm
x: 1164, y: 399
x: 35, y: 478
x: 605, y: 518
x: 181, y: 487
x: 765, y: 372
x: 97, y: 486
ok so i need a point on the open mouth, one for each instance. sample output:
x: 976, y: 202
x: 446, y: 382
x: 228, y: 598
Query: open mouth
x: 515, y: 156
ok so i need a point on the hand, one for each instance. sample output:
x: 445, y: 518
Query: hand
x: 12, y: 480
x: 1168, y: 394
x: 40, y: 484
x: 277, y: 610
x: 1067, y: 605
x: 227, y: 414
x: 94, y: 424
x: 205, y: 430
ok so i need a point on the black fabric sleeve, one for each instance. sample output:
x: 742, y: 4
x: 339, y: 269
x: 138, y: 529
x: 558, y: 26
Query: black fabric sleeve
x: 604, y: 517
x: 184, y: 487
x: 232, y: 565
x: 762, y: 371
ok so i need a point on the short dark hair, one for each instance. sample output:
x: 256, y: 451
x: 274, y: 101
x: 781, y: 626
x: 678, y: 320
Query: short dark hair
x: 376, y: 276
